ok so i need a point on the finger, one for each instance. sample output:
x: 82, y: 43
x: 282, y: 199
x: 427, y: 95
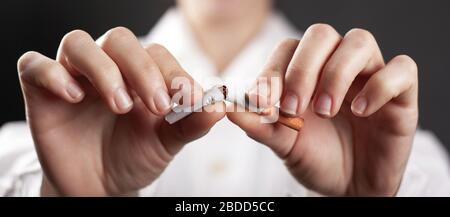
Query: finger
x: 190, y: 128
x: 275, y: 67
x: 174, y: 74
x: 37, y: 71
x: 398, y: 80
x: 81, y: 52
x: 358, y: 53
x: 315, y: 48
x: 268, y: 134
x: 140, y: 71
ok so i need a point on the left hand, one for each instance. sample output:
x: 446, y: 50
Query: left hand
x: 360, y: 113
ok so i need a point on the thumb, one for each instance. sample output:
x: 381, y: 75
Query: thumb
x: 276, y: 136
x: 190, y: 128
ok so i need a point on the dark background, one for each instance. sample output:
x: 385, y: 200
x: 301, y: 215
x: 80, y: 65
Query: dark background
x: 420, y: 29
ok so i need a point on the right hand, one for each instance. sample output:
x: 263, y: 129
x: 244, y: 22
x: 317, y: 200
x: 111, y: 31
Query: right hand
x: 96, y: 113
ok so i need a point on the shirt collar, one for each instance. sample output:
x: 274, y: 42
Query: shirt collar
x: 173, y: 32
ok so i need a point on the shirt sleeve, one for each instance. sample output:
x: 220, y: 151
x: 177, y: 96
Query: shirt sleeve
x: 428, y: 169
x: 427, y: 173
x: 20, y: 171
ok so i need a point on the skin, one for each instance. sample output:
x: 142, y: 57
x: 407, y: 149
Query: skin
x: 348, y: 151
x: 216, y: 21
x: 87, y: 143
x: 96, y: 111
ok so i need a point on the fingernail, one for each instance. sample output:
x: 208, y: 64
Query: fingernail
x: 290, y: 103
x: 122, y: 99
x: 303, y: 106
x: 162, y: 100
x: 261, y: 94
x: 74, y: 91
x: 323, y: 105
x: 359, y: 105
x: 253, y: 90
x: 253, y: 98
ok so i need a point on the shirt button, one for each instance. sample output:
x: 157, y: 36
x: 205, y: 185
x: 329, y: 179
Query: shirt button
x: 218, y: 167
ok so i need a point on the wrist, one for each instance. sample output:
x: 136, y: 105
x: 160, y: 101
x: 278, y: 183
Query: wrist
x: 47, y: 189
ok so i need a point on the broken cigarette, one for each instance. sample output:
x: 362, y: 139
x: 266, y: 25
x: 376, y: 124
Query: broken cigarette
x: 295, y: 123
x: 210, y: 97
x: 220, y: 93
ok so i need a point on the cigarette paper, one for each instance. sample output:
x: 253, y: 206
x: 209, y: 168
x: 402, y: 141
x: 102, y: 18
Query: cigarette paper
x: 211, y: 96
x: 295, y: 123
x: 221, y: 93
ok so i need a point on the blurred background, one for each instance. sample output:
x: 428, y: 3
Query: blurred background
x: 420, y: 29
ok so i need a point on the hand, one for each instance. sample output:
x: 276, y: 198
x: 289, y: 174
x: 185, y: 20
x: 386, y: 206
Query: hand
x: 96, y: 113
x: 360, y: 113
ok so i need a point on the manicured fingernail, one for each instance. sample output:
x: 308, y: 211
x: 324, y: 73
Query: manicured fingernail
x: 122, y: 99
x: 162, y: 100
x: 303, y: 106
x: 258, y: 94
x: 253, y: 90
x: 74, y: 91
x: 323, y: 105
x: 290, y: 103
x: 253, y: 98
x: 359, y: 105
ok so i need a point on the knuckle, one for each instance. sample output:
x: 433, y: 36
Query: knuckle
x: 411, y: 68
x: 147, y: 66
x: 118, y: 34
x: 331, y: 68
x: 360, y: 37
x: 25, y: 61
x: 300, y: 78
x: 295, y: 70
x: 385, y: 87
x: 335, y: 77
x: 45, y: 74
x: 300, y: 68
x: 156, y: 49
x: 407, y: 62
x: 51, y: 73
x: 335, y: 72
x: 34, y: 69
x: 177, y: 73
x: 274, y: 69
x: 75, y: 39
x: 321, y: 30
x: 287, y: 44
x: 274, y: 66
x: 336, y: 80
x: 76, y: 36
x: 97, y: 78
x: 108, y: 68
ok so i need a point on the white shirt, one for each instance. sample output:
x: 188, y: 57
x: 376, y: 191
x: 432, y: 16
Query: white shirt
x: 225, y: 162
